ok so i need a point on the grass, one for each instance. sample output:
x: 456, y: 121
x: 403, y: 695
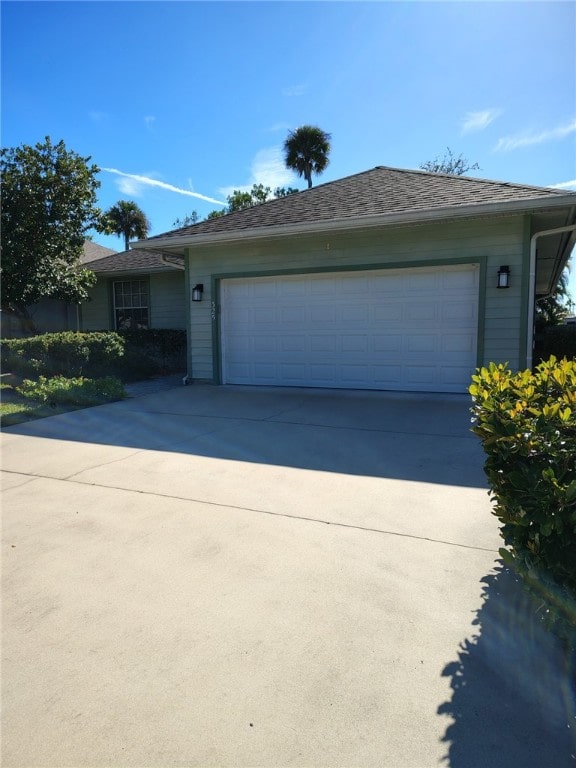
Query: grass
x: 15, y: 409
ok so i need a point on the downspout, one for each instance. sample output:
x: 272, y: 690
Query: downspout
x: 532, y: 284
x: 165, y: 260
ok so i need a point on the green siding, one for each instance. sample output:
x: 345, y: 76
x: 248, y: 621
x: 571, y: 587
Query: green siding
x: 96, y: 313
x: 167, y: 301
x: 489, y: 243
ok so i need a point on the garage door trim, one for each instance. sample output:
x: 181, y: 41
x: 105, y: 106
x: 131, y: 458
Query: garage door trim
x: 216, y: 283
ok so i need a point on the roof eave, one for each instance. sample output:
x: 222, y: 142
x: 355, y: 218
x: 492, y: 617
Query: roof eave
x: 176, y: 242
x: 135, y: 271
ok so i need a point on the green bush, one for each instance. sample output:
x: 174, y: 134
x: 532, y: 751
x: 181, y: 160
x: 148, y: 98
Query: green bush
x: 63, y: 354
x: 165, y: 348
x: 74, y: 391
x: 527, y: 424
x: 557, y: 340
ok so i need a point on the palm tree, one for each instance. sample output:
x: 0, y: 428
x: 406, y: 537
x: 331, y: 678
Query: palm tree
x: 125, y: 219
x: 306, y: 151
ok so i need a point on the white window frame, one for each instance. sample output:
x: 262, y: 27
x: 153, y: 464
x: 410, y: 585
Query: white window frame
x: 132, y: 306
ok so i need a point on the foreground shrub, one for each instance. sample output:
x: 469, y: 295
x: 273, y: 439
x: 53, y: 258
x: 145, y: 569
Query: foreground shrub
x: 74, y: 391
x: 527, y: 424
x: 63, y: 354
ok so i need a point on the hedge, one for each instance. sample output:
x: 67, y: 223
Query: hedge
x: 130, y: 355
x: 527, y: 424
x: 63, y: 354
x: 151, y: 352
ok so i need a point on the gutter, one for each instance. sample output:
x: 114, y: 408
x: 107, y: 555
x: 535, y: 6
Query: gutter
x: 165, y: 259
x: 532, y: 283
x: 361, y: 222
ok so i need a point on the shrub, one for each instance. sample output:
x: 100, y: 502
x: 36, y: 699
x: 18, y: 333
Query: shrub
x: 63, y: 354
x: 74, y: 391
x: 165, y: 348
x: 527, y: 424
x: 557, y: 340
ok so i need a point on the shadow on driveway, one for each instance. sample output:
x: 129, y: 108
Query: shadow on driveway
x: 418, y: 436
x: 513, y: 695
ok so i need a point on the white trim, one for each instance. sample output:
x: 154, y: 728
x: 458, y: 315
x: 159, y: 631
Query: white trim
x: 532, y: 284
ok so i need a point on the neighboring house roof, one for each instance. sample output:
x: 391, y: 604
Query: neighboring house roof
x: 135, y: 260
x: 94, y: 251
x: 380, y: 195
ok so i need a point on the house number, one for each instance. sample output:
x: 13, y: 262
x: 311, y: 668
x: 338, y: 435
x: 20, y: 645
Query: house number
x: 213, y: 310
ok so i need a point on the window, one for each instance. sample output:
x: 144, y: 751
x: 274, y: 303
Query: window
x: 131, y: 304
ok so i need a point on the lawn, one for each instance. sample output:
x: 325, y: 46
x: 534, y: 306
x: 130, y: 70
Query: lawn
x: 14, y: 409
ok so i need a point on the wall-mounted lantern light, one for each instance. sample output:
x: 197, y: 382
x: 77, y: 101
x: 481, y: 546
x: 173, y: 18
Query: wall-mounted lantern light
x: 504, y: 277
x: 197, y: 292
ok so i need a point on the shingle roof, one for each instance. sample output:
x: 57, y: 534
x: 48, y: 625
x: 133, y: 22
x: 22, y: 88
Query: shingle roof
x: 133, y: 261
x: 379, y: 191
x: 92, y: 251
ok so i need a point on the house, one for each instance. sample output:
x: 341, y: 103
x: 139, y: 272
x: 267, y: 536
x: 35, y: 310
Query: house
x: 53, y: 315
x: 389, y: 279
x: 136, y: 289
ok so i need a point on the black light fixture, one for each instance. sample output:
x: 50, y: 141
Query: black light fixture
x: 197, y: 292
x: 503, y: 277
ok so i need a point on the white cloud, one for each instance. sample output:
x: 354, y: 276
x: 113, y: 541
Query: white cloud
x: 132, y: 184
x: 565, y: 185
x: 529, y: 139
x: 149, y: 120
x: 478, y: 121
x: 268, y: 169
x: 129, y: 186
x: 295, y: 90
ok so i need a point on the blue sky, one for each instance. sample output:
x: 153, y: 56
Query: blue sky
x: 183, y: 102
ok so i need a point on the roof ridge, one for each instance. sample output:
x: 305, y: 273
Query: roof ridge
x: 379, y: 191
x: 514, y: 184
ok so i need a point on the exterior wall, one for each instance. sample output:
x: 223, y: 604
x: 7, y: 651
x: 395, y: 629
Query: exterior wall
x: 96, y: 314
x: 488, y: 242
x: 167, y: 302
x: 48, y: 316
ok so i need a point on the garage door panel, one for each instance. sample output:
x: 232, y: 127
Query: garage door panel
x: 418, y: 344
x: 323, y: 315
x: 456, y: 311
x: 293, y: 343
x: 457, y: 344
x: 355, y: 344
x: 412, y: 329
x: 388, y: 343
x: 388, y: 312
x: 427, y: 312
x: 354, y: 313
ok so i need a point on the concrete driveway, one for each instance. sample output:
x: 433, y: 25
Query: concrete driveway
x: 226, y: 576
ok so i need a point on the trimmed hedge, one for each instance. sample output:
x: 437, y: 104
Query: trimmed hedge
x: 130, y: 355
x: 63, y: 354
x: 527, y: 424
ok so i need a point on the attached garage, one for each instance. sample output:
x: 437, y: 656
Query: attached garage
x: 388, y: 279
x: 407, y: 329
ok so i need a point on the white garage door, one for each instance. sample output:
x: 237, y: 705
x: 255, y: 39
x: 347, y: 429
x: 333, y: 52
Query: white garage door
x: 405, y: 329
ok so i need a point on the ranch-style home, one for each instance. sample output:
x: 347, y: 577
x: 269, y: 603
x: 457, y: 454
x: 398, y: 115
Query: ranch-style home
x: 389, y: 279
